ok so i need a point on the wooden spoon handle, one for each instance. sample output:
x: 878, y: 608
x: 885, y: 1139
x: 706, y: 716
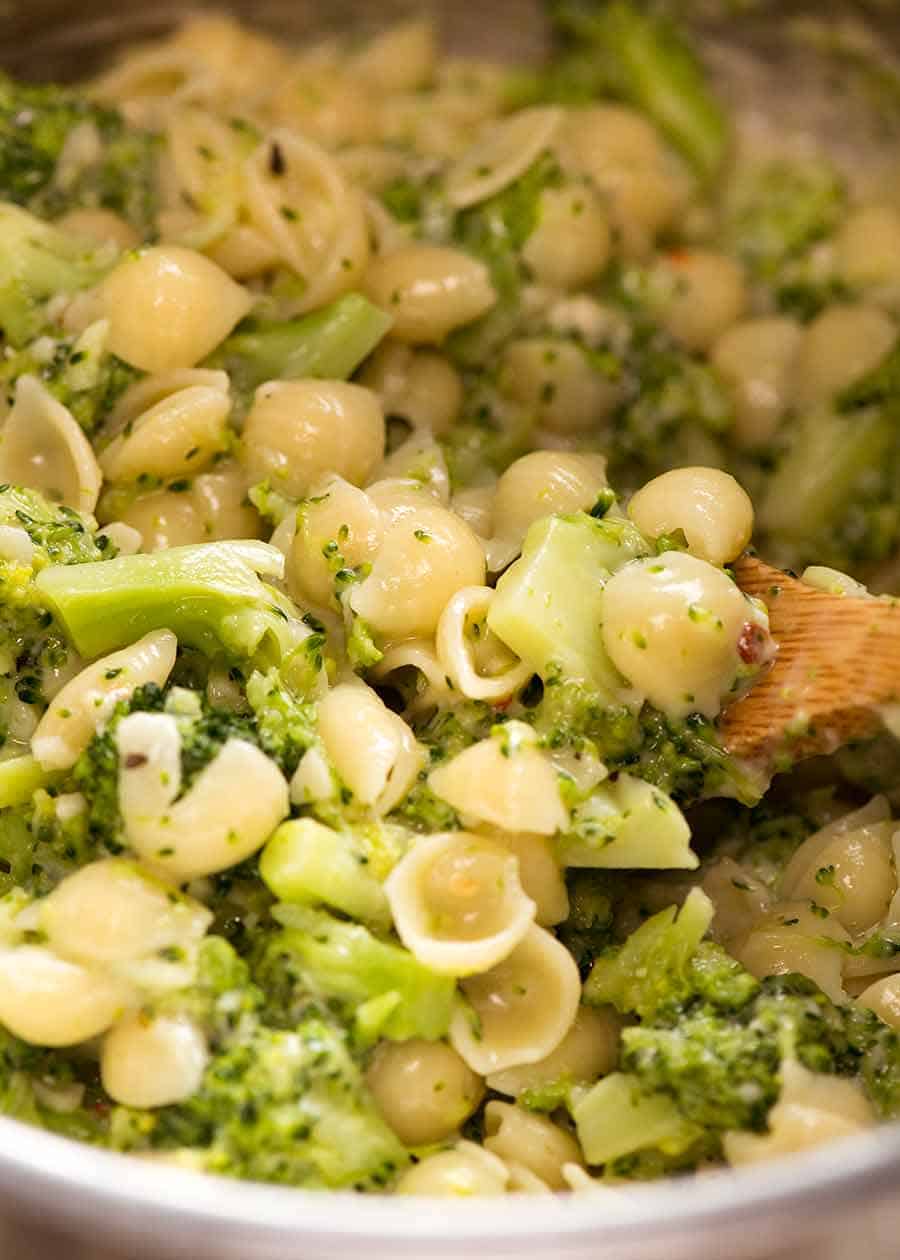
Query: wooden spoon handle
x: 838, y: 663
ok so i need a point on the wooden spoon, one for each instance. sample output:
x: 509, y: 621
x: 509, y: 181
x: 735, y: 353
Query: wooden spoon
x: 837, y: 667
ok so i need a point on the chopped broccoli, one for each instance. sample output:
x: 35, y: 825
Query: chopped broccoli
x: 37, y: 262
x: 621, y: 50
x: 61, y: 151
x: 331, y: 343
x: 285, y: 725
x: 279, y: 1105
x: 588, y: 931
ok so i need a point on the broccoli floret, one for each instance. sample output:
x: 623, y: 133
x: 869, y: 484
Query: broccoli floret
x: 777, y: 210
x: 52, y: 1090
x: 588, y: 931
x: 285, y: 725
x: 37, y: 262
x: 105, y: 162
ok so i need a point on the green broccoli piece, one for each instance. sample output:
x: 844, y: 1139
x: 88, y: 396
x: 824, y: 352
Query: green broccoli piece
x: 777, y: 210
x: 108, y: 164
x: 588, y: 931
x: 331, y: 343
x: 39, y: 261
x: 51, y: 1090
x: 619, y: 49
x: 210, y: 595
x: 376, y: 984
x: 280, y: 1105
x: 285, y: 725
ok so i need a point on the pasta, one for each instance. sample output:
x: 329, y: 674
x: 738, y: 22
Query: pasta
x: 377, y: 429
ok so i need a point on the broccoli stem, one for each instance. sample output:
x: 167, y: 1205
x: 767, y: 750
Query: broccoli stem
x: 329, y: 344
x: 20, y: 778
x: 209, y: 595
x: 643, y: 59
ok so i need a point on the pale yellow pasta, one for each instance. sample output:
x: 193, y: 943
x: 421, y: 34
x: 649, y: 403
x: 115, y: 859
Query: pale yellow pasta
x: 739, y: 899
x: 181, y: 434
x: 671, y: 626
x: 429, y: 290
x: 883, y: 997
x: 112, y: 911
x: 520, y: 1010
x: 789, y: 937
x: 505, y: 781
x: 473, y: 658
x: 540, y: 875
x: 217, y: 822
x: 16, y: 546
x: 868, y: 247
x: 465, y: 1171
x: 322, y: 100
x: 153, y: 1061
x: 570, y: 246
x: 100, y: 226
x: 424, y: 559
x: 541, y: 484
x: 43, y: 447
x: 81, y: 708
x: 420, y: 459
x: 297, y: 197
x: 52, y: 1002
x: 588, y: 1050
x: 711, y: 508
x: 474, y: 504
x: 526, y: 1138
x: 756, y: 360
x: 417, y: 660
x: 501, y: 154
x: 338, y: 526
x: 372, y: 749
x: 622, y: 153
x: 697, y: 295
x: 314, y: 779
x: 558, y: 385
x: 423, y: 1089
x: 202, y: 182
x: 420, y: 386
x: 457, y: 903
x: 398, y: 498
x: 221, y: 503
x: 146, y: 393
x: 169, y: 307
x: 838, y: 347
x: 813, y: 1108
x: 299, y: 430
x: 163, y: 518
x: 126, y: 540
x: 243, y: 251
x: 402, y: 58
x: 150, y: 81
x: 850, y: 873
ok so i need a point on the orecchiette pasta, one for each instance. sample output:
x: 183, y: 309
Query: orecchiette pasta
x: 672, y: 626
x: 43, y: 447
x: 868, y: 247
x: 756, y: 359
x: 168, y: 307
x: 217, y: 823
x: 698, y: 295
x: 413, y: 669
x: 423, y: 1089
x: 542, y: 1146
x: 520, y: 1010
x: 153, y: 1062
x: 338, y: 526
x: 473, y: 658
x: 372, y: 749
x: 558, y: 385
x: 297, y: 198
x: 420, y: 386
x: 299, y: 430
x: 708, y: 505
x: 84, y: 704
x: 424, y: 560
x: 883, y: 997
x: 540, y: 875
x: 504, y: 781
x: 589, y: 1049
x: 740, y: 899
x: 570, y: 245
x: 465, y: 1171
x: 52, y: 1002
x: 429, y: 290
x: 457, y: 903
x: 538, y: 485
x: 501, y: 154
x: 180, y: 435
x: 838, y: 347
x: 791, y: 936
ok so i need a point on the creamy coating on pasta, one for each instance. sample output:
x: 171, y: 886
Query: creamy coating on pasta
x: 378, y: 428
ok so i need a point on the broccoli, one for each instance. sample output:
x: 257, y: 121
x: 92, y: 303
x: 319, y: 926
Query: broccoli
x: 588, y: 931
x: 618, y: 49
x: 37, y: 262
x: 60, y: 151
x: 285, y: 725
x: 331, y: 342
x: 777, y: 210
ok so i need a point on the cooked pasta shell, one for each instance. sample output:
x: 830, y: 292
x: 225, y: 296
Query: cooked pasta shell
x: 478, y: 664
x: 520, y: 1010
x: 42, y: 447
x: 504, y: 151
x: 372, y: 749
x: 180, y: 435
x: 153, y: 1062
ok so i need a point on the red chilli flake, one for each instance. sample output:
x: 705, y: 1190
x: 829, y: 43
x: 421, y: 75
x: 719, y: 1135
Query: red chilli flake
x: 751, y: 644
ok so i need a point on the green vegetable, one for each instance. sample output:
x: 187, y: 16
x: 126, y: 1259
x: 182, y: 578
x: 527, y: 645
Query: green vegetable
x: 330, y: 343
x: 548, y: 605
x: 39, y: 261
x: 285, y: 724
x: 628, y: 823
x: 20, y: 778
x: 640, y: 57
x: 588, y: 931
x: 116, y: 168
x: 209, y: 595
x: 311, y: 864
x: 617, y: 1117
x: 319, y: 957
